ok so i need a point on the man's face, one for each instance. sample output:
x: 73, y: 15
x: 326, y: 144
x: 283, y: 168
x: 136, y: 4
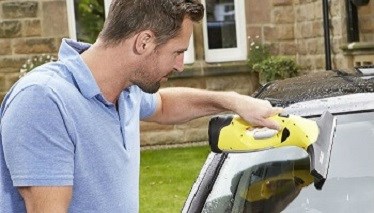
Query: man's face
x: 164, y: 60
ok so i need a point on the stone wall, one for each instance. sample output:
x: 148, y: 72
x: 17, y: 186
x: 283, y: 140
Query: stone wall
x: 28, y: 28
x: 295, y: 28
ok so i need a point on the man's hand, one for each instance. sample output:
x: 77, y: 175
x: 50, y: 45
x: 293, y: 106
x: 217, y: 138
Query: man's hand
x: 256, y: 111
x: 43, y: 199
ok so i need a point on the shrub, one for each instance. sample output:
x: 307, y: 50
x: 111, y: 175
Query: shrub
x: 35, y: 61
x: 90, y: 19
x: 268, y: 66
x: 276, y: 67
x: 257, y: 53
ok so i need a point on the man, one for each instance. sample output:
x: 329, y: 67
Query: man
x: 70, y: 129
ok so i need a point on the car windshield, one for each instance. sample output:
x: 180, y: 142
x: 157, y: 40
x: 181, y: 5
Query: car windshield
x: 278, y: 180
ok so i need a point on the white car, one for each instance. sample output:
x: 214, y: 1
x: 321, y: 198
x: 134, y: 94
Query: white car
x: 279, y: 180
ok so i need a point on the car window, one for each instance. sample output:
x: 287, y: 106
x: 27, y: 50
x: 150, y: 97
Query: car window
x: 278, y: 180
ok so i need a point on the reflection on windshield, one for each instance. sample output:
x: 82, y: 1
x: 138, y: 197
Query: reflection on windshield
x: 278, y: 180
x: 268, y: 187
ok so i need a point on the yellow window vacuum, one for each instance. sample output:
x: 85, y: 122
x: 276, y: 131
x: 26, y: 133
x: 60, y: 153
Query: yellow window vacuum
x: 230, y: 133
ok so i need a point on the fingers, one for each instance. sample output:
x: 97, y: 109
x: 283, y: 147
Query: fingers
x: 276, y: 110
x: 271, y: 124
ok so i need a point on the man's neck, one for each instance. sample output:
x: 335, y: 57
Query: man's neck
x: 107, y: 69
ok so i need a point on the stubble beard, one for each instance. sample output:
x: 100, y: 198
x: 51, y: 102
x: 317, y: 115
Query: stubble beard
x: 149, y: 87
x: 144, y: 81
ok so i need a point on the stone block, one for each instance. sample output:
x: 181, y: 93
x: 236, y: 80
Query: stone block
x: 288, y: 48
x: 10, y: 29
x: 306, y: 1
x: 285, y: 32
x: 20, y: 9
x: 279, y: 33
x: 231, y: 83
x: 191, y: 82
x: 367, y: 24
x: 270, y: 34
x: 282, y: 2
x: 2, y: 83
x: 301, y: 13
x: 10, y: 79
x: 195, y: 135
x: 317, y: 27
x: 305, y: 62
x: 335, y: 8
x: 302, y: 48
x: 318, y: 10
x: 307, y: 30
x: 55, y: 21
x: 2, y: 95
x: 284, y: 15
x: 34, y: 45
x: 11, y: 64
x: 312, y: 46
x: 32, y: 27
x: 336, y: 43
x: 162, y: 137
x: 260, y: 12
x: 367, y: 9
x: 5, y: 45
x: 150, y: 126
x: 342, y: 63
x: 252, y: 32
x: 319, y: 62
x: 308, y: 9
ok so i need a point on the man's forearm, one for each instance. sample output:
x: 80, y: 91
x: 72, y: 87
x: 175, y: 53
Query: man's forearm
x: 183, y: 104
x: 179, y: 105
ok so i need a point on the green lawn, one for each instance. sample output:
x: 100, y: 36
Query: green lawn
x: 166, y: 177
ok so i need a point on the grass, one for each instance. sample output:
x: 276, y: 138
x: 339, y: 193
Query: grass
x: 166, y: 177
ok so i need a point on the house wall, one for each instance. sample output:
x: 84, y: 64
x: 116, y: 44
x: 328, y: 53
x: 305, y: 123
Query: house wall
x: 28, y: 28
x: 291, y: 27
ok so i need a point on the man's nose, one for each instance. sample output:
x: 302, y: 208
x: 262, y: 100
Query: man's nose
x: 179, y: 63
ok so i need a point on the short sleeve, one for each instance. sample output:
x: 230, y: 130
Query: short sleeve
x: 37, y: 148
x: 148, y: 104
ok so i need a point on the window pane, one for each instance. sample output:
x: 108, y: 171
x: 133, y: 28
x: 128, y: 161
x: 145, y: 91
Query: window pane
x: 221, y: 26
x: 89, y: 16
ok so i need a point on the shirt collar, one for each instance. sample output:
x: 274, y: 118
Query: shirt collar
x: 69, y: 55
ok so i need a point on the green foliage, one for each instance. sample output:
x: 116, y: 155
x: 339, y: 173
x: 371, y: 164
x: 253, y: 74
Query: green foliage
x: 269, y: 67
x: 276, y: 67
x: 90, y: 19
x: 257, y: 53
x: 35, y: 61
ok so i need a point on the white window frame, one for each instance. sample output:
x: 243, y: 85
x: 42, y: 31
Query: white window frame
x: 71, y: 16
x: 229, y: 54
x: 189, y: 55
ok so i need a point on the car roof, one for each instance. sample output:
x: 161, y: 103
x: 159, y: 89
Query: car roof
x: 318, y: 85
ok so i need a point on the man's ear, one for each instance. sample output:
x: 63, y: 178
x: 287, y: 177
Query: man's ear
x: 144, y: 42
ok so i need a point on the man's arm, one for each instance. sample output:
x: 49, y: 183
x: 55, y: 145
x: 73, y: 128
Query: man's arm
x: 42, y: 199
x: 178, y: 105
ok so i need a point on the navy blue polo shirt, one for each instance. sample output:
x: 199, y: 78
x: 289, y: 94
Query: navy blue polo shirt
x: 57, y: 129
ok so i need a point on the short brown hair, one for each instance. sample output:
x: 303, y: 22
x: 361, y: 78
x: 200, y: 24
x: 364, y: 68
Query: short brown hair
x: 163, y: 17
